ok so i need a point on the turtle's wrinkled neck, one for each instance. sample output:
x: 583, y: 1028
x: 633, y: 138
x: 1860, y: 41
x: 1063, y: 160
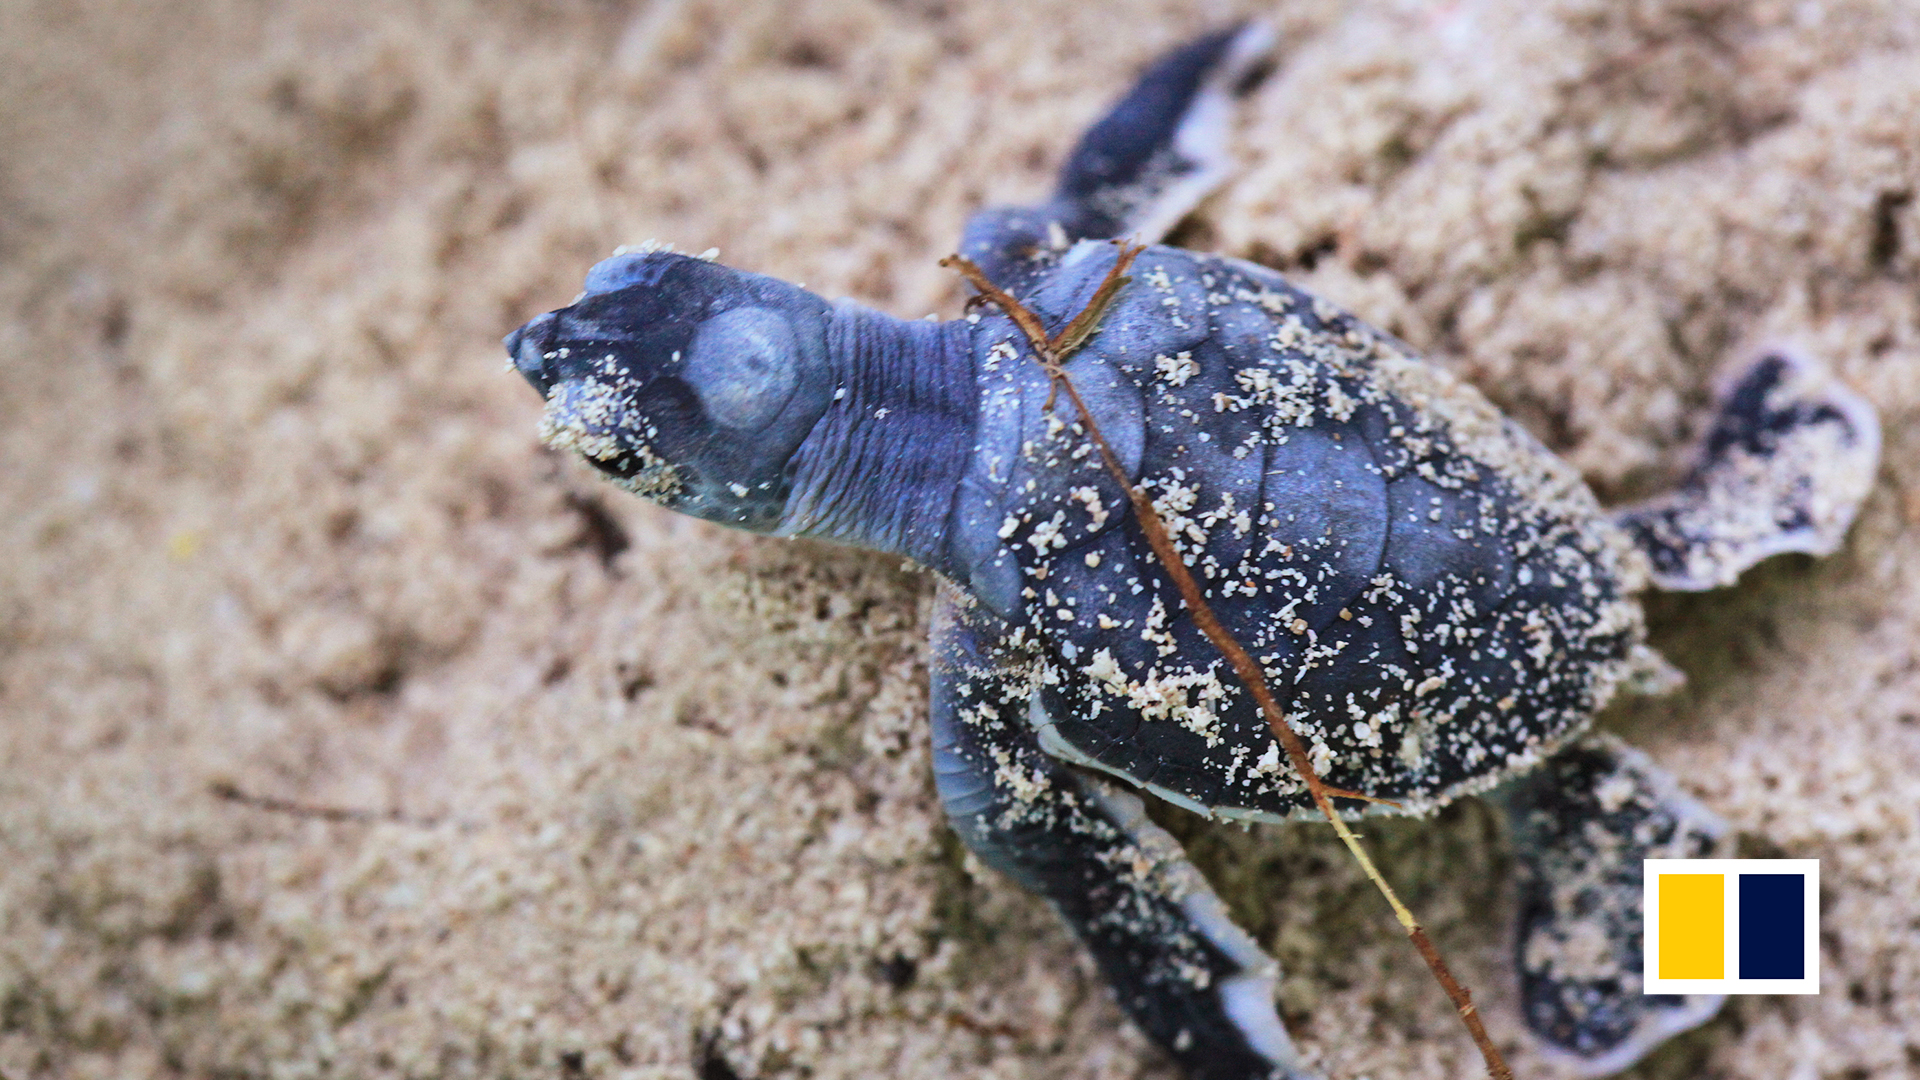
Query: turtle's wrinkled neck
x: 880, y: 466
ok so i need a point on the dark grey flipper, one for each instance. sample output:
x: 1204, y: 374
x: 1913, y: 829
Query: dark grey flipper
x: 1192, y: 980
x: 1136, y: 173
x: 1789, y: 459
x: 1581, y: 824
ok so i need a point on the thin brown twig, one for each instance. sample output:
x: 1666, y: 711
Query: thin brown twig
x: 228, y: 791
x: 1052, y: 352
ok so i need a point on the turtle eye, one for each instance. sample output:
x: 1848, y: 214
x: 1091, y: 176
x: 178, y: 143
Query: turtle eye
x: 743, y: 365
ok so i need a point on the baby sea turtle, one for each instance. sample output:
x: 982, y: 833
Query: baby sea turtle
x: 1439, y: 602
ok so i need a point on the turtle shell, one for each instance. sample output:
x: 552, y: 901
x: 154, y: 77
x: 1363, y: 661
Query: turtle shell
x: 1436, y: 599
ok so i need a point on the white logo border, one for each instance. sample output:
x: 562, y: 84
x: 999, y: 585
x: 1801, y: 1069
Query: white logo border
x: 1651, y: 869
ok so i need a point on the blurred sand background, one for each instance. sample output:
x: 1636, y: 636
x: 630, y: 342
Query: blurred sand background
x: 345, y: 731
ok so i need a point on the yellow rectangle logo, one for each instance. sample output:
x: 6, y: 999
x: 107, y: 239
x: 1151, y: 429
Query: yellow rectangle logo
x: 1693, y: 926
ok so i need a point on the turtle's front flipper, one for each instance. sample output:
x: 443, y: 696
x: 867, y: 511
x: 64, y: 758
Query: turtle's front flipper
x: 1581, y: 824
x: 1137, y: 172
x: 1195, y: 982
x: 1789, y: 459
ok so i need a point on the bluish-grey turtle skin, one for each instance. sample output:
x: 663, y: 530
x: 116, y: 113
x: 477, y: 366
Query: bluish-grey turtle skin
x: 1439, y: 603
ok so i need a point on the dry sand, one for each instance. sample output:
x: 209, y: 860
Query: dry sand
x: 611, y: 793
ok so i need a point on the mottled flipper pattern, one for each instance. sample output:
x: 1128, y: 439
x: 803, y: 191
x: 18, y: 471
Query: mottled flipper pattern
x: 1581, y: 824
x: 1789, y: 459
x: 1139, y: 170
x: 1192, y: 980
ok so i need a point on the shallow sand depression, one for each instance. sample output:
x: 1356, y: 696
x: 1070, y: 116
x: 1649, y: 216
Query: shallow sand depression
x: 347, y: 731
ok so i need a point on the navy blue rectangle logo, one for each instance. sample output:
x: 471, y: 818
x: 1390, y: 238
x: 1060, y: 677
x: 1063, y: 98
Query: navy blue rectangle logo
x: 1773, y: 926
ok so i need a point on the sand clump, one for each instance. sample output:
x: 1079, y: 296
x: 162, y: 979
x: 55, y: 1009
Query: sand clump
x: 635, y: 796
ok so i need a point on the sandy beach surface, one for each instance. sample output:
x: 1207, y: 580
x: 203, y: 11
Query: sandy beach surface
x: 346, y: 731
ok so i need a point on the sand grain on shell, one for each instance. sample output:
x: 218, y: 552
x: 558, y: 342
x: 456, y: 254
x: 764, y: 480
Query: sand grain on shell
x: 278, y: 525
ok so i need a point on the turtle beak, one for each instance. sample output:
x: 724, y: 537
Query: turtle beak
x: 581, y: 415
x: 528, y: 347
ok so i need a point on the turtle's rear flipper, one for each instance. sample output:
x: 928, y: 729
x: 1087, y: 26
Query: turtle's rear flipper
x: 1789, y: 459
x: 1581, y: 824
x: 1137, y: 172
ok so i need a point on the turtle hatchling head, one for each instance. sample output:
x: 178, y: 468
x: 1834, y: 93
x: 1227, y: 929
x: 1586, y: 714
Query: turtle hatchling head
x: 687, y: 382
